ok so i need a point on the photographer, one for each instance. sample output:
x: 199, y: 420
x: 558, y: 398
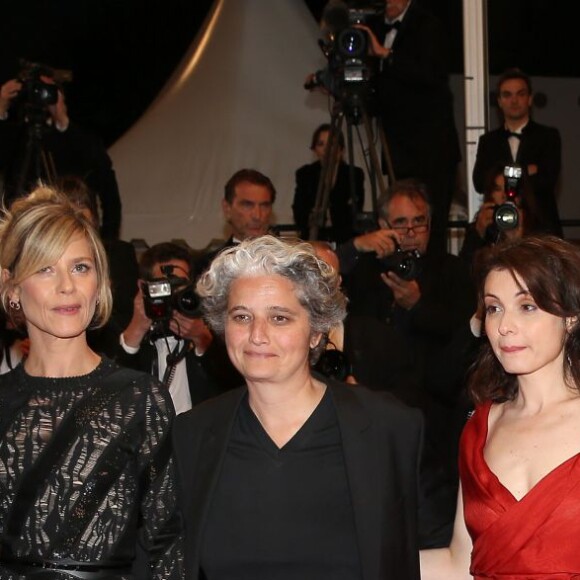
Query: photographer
x: 39, y: 141
x: 417, y: 315
x: 180, y: 349
x: 484, y: 231
x: 414, y: 102
x: 536, y: 148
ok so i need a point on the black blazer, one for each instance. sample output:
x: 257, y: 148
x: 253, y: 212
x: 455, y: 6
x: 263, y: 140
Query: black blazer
x: 340, y: 204
x: 381, y: 443
x: 539, y: 145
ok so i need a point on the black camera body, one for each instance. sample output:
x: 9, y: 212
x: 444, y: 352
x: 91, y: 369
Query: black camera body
x: 333, y: 364
x: 35, y: 92
x: 346, y: 46
x: 406, y: 264
x: 506, y: 216
x: 163, y: 296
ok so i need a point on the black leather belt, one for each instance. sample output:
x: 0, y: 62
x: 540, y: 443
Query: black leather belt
x: 49, y: 570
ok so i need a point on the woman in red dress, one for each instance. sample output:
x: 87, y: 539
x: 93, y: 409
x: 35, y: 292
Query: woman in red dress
x: 518, y: 514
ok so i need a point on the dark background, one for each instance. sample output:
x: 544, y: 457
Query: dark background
x: 121, y: 52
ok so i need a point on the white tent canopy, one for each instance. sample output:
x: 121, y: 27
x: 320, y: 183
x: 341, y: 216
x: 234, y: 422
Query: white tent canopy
x: 237, y: 100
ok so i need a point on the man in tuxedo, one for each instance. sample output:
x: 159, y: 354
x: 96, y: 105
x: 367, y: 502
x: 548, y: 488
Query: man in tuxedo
x: 520, y: 140
x: 415, y: 104
x: 181, y: 351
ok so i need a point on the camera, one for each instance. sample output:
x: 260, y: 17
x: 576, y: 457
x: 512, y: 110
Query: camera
x: 506, y: 215
x: 346, y: 48
x: 35, y: 92
x: 162, y: 296
x: 333, y: 364
x: 406, y: 264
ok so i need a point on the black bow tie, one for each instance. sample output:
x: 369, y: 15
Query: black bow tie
x: 392, y: 26
x: 509, y: 134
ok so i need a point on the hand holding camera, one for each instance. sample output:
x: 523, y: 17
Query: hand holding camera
x: 8, y: 92
x: 171, y: 306
x: 406, y: 293
x: 382, y: 241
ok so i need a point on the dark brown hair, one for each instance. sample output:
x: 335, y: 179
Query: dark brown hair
x: 248, y: 176
x: 514, y: 73
x: 165, y: 252
x: 321, y: 129
x: 550, y: 269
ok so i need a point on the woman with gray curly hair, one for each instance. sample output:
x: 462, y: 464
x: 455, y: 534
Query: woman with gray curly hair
x: 293, y: 475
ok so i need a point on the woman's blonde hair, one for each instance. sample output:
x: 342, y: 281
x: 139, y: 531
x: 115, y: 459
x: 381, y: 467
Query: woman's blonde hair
x: 35, y: 232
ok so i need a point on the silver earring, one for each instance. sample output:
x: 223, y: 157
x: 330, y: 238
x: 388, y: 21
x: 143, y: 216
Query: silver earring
x: 15, y: 305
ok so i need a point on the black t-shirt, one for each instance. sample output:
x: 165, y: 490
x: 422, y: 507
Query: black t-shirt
x: 282, y: 514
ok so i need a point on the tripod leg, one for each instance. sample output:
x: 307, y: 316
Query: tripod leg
x: 48, y: 166
x: 325, y: 183
x: 387, y: 153
x: 375, y: 161
x: 37, y: 164
x: 354, y: 198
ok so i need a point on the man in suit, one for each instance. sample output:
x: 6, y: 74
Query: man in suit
x: 520, y: 140
x: 415, y: 103
x: 181, y: 351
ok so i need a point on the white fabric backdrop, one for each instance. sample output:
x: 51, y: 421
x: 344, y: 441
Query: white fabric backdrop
x: 237, y: 100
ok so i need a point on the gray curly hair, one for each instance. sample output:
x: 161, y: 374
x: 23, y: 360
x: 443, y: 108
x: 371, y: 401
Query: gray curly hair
x: 317, y: 284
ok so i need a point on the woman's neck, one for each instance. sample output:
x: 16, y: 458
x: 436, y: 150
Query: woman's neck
x: 283, y: 409
x: 542, y: 390
x: 60, y: 358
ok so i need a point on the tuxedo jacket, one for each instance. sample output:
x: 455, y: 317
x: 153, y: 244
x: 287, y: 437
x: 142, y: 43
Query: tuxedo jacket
x: 414, y: 99
x: 539, y: 145
x: 340, y: 204
x: 381, y: 444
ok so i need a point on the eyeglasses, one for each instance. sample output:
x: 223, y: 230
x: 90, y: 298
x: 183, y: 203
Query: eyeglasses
x: 416, y: 229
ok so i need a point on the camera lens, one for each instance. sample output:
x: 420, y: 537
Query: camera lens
x: 406, y: 267
x: 186, y: 301
x: 41, y: 93
x: 333, y: 364
x: 506, y: 216
x: 405, y: 264
x: 352, y: 43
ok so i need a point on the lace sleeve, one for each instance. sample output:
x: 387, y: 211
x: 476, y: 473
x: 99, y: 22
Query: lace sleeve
x: 161, y: 532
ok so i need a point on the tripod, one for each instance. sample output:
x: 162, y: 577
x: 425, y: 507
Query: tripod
x: 37, y: 163
x: 354, y: 111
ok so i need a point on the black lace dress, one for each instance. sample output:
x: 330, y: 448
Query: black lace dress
x: 86, y: 476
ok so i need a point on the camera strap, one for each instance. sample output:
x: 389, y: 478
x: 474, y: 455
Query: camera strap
x: 173, y: 359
